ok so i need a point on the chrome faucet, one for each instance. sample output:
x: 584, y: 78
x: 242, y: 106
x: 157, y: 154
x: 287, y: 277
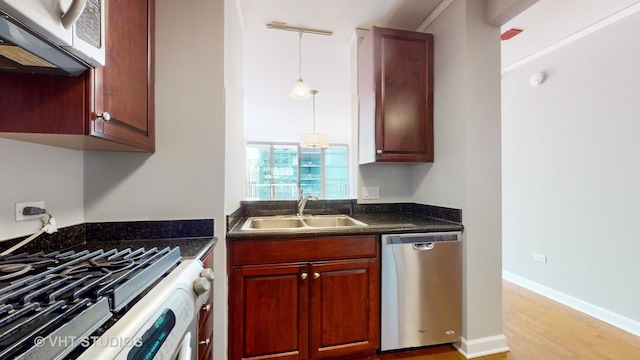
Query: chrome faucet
x: 302, y: 201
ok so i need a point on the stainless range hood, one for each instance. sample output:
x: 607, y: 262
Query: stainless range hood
x: 22, y: 50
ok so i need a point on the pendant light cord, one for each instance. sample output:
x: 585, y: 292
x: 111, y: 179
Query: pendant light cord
x: 299, y: 54
x: 314, y: 110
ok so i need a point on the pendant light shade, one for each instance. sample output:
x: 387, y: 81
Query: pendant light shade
x: 314, y: 140
x: 300, y: 90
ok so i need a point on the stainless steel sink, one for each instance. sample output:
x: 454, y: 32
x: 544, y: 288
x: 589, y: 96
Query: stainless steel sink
x: 332, y: 221
x: 307, y: 222
x: 275, y: 223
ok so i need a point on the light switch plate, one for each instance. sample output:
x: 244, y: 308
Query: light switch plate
x: 372, y: 192
x: 22, y: 205
x: 540, y: 257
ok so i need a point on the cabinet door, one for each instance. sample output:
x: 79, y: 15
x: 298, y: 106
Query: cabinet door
x: 344, y: 310
x: 269, y: 312
x: 124, y: 87
x: 395, y: 89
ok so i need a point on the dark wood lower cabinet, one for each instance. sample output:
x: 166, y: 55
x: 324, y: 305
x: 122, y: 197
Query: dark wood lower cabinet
x: 270, y: 312
x: 344, y: 307
x: 317, y: 309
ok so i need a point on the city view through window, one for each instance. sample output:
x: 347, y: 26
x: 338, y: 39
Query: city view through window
x: 277, y: 171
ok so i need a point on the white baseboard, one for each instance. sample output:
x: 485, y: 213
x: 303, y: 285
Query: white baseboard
x: 597, y: 312
x: 482, y: 347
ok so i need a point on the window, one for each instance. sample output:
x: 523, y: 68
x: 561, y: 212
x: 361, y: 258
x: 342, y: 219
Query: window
x: 277, y: 171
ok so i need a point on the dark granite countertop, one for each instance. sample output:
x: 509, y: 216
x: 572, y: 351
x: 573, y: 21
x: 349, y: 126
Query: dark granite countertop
x: 380, y: 219
x: 194, y: 237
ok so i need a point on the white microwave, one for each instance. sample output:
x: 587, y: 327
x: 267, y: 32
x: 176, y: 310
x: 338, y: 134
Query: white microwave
x: 65, y: 36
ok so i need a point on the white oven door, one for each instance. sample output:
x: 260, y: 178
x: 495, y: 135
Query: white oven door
x: 164, y: 334
x: 162, y: 325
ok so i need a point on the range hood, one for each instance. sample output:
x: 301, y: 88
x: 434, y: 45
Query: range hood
x: 23, y: 49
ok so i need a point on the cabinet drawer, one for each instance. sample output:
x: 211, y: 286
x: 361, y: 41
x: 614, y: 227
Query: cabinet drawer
x: 261, y: 251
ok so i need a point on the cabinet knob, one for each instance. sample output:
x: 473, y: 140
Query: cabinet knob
x: 205, y: 342
x: 303, y: 276
x: 206, y: 308
x: 316, y: 275
x: 378, y: 151
x: 104, y: 116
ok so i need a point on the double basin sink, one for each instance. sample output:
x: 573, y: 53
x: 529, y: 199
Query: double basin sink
x: 306, y: 222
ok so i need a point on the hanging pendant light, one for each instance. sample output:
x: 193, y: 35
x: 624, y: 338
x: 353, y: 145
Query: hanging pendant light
x: 300, y: 90
x: 314, y: 140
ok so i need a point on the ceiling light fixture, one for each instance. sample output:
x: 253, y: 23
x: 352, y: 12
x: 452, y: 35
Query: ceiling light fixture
x: 300, y: 90
x: 314, y: 140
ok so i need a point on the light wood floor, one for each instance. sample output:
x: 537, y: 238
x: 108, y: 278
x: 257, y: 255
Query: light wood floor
x: 541, y: 329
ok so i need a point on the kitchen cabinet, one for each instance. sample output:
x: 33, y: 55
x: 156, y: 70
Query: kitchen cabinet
x: 205, y: 318
x: 72, y: 112
x: 395, y: 95
x: 300, y: 298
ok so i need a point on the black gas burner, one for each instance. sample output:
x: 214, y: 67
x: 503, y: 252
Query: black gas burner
x: 70, y: 295
x: 17, y: 267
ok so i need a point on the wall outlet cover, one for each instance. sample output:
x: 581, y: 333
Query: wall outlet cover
x: 20, y: 206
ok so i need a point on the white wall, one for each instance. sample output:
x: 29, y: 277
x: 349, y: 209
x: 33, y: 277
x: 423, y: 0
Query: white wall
x: 466, y: 171
x: 571, y: 173
x: 33, y: 172
x: 183, y: 179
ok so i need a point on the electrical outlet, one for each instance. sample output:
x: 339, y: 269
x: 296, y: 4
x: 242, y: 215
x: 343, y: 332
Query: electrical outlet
x: 540, y: 257
x: 372, y: 192
x: 22, y: 205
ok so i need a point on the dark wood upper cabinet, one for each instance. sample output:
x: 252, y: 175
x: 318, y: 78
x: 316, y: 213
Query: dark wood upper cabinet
x: 395, y: 92
x: 66, y: 111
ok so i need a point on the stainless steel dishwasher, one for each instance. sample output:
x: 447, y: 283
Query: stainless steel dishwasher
x: 421, y: 289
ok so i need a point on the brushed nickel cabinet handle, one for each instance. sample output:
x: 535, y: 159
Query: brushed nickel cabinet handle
x: 378, y: 151
x: 316, y: 275
x: 205, y: 342
x: 73, y: 13
x: 303, y: 276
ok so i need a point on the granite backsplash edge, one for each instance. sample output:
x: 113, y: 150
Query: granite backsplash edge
x: 109, y: 231
x: 347, y: 207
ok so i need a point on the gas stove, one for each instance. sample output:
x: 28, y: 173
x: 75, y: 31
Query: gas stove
x: 60, y: 305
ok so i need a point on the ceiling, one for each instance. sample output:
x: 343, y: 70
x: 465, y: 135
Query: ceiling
x: 339, y: 16
x: 343, y: 16
x: 271, y: 57
x: 541, y: 29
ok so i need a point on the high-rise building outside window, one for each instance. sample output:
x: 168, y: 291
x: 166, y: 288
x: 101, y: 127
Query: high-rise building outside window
x: 277, y: 171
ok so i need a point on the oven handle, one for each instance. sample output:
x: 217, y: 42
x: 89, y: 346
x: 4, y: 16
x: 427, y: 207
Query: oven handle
x: 73, y: 13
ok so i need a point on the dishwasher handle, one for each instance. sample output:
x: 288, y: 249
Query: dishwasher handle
x: 423, y: 246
